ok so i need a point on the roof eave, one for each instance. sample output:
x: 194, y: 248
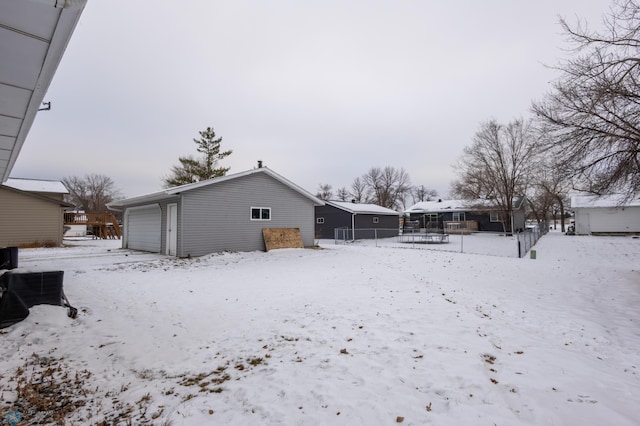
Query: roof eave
x: 69, y: 16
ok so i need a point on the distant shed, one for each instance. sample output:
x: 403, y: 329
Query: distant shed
x: 610, y: 214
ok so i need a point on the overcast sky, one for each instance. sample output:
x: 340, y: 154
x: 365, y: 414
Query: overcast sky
x: 320, y: 91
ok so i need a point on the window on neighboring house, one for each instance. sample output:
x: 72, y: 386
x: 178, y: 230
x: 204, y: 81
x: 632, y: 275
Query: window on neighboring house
x: 320, y: 220
x: 431, y: 220
x: 260, y: 213
x: 458, y: 216
x: 493, y: 217
x: 376, y: 220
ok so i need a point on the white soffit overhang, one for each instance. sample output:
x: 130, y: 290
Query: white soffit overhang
x: 33, y: 37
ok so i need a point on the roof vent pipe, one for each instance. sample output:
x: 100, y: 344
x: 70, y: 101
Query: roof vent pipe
x: 259, y: 164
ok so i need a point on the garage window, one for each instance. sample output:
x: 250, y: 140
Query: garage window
x: 260, y: 213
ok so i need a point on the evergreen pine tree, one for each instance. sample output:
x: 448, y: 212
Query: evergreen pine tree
x: 192, y: 170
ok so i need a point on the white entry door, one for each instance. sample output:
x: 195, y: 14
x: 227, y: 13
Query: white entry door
x: 172, y: 229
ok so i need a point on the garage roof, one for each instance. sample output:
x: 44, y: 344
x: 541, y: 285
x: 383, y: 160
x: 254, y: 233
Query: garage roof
x: 33, y: 37
x: 614, y: 200
x: 176, y: 190
x: 362, y: 208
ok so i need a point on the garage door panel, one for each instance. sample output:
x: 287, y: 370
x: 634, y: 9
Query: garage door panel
x: 143, y: 226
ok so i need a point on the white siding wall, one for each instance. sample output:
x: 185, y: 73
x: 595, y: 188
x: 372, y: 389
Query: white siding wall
x: 604, y: 219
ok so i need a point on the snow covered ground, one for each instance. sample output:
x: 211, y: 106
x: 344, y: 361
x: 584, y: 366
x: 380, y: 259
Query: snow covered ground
x: 353, y: 334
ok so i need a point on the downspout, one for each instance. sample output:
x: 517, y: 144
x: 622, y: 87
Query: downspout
x: 512, y: 230
x: 353, y: 227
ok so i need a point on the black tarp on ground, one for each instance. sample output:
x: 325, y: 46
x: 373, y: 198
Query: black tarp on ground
x: 22, y: 290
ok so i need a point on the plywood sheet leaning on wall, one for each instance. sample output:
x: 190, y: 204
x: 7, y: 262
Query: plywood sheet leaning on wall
x: 275, y: 238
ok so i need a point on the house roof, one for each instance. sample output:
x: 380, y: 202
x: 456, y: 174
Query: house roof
x: 35, y: 185
x: 33, y: 37
x: 176, y: 190
x: 36, y: 194
x: 594, y: 201
x: 362, y: 208
x: 459, y: 205
x: 439, y: 206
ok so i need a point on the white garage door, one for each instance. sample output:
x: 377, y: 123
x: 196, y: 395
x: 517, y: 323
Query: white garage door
x: 143, y: 228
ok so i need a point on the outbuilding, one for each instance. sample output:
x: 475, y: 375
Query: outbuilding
x: 609, y: 214
x: 339, y: 219
x: 220, y: 214
x: 32, y: 212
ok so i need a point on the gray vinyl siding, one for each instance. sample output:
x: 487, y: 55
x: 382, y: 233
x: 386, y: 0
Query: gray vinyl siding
x: 26, y: 220
x: 334, y: 217
x: 217, y: 217
x: 387, y: 226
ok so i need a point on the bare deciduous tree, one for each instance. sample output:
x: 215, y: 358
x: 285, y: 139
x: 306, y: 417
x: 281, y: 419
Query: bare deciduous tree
x: 497, y: 165
x: 549, y: 190
x: 594, y: 108
x: 91, y: 193
x: 359, y: 191
x: 387, y: 186
x: 422, y: 193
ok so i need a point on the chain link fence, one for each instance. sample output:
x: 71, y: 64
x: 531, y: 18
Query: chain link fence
x: 530, y: 236
x: 487, y: 243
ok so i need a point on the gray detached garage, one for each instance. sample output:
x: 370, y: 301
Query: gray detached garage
x: 225, y: 213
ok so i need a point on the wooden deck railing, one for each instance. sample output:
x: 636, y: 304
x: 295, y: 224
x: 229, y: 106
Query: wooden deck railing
x: 460, y: 227
x: 104, y: 225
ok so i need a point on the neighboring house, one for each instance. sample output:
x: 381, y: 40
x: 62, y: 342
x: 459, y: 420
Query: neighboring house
x: 369, y: 220
x: 32, y: 212
x: 220, y: 214
x: 609, y: 214
x: 468, y: 215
